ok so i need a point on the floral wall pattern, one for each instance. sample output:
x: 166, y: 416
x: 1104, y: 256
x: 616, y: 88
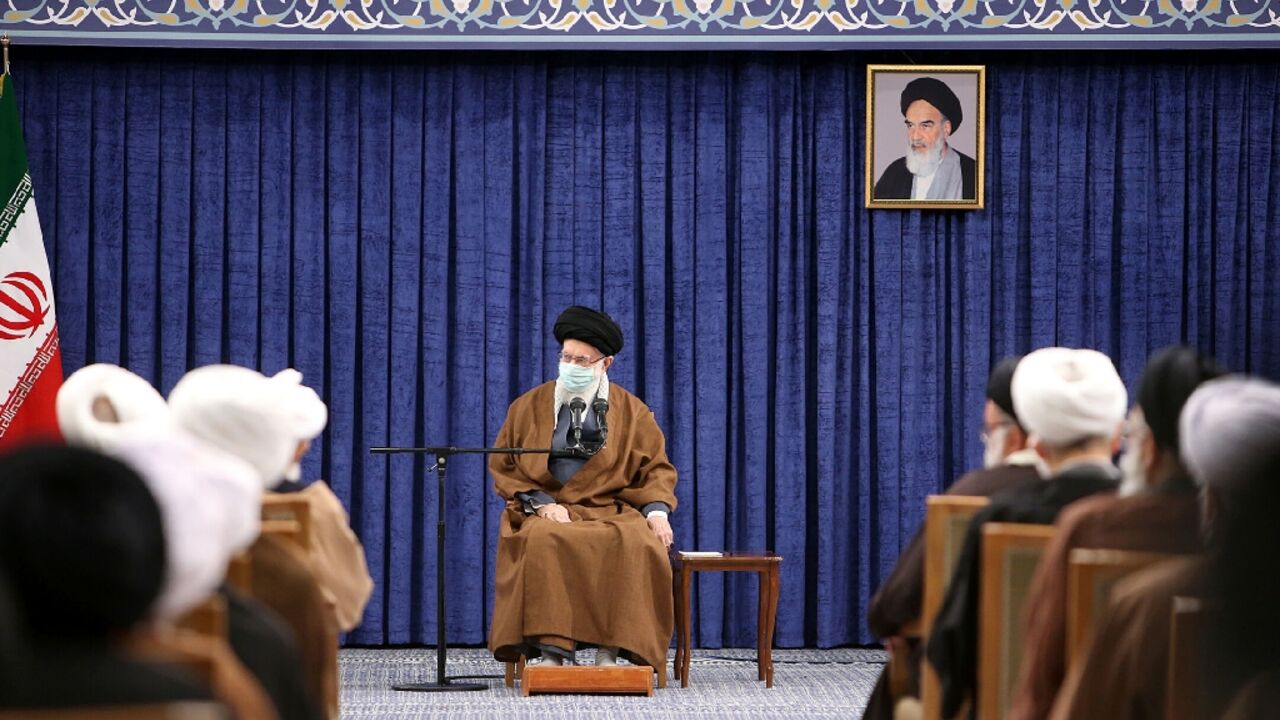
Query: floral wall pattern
x: 682, y: 23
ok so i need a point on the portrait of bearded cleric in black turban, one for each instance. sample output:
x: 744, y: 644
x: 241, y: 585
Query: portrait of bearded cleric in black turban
x: 925, y: 130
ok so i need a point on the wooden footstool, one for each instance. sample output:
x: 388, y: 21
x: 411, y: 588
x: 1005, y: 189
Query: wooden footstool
x: 765, y: 565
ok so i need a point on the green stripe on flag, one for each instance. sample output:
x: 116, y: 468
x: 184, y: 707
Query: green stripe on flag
x: 15, y: 185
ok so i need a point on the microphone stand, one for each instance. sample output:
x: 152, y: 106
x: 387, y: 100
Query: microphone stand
x: 442, y: 454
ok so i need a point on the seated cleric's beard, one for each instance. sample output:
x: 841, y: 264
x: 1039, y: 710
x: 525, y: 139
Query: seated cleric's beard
x: 925, y: 163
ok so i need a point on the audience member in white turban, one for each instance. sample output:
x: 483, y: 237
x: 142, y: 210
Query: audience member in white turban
x: 100, y: 404
x: 1230, y: 441
x: 271, y: 422
x: 1156, y: 511
x: 259, y: 419
x: 210, y: 501
x: 1072, y: 402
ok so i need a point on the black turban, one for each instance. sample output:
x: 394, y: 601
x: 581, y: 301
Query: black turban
x: 81, y: 542
x: 1169, y: 378
x: 591, y: 327
x: 936, y: 93
x: 999, y: 383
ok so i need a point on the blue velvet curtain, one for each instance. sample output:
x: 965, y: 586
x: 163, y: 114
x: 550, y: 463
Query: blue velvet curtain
x: 405, y: 227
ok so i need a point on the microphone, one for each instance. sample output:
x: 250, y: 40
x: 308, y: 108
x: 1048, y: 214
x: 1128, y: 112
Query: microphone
x: 577, y: 407
x: 600, y: 406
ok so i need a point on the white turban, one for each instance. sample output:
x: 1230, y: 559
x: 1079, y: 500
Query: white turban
x: 210, y: 503
x: 1064, y: 396
x: 137, y: 406
x: 259, y: 419
x: 1228, y: 427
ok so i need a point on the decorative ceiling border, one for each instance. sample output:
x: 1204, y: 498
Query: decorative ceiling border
x: 647, y: 24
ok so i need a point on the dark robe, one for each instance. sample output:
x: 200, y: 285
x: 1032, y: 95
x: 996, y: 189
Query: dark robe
x: 603, y: 578
x: 895, y: 182
x: 1161, y: 521
x: 1125, y: 672
x: 900, y: 599
x: 265, y: 645
x: 66, y: 674
x: 953, y: 642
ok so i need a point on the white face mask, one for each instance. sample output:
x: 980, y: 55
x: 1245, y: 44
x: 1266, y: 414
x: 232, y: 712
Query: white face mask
x: 1133, y: 472
x: 993, y: 452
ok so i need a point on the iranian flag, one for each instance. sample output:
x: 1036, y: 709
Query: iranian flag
x: 30, y: 363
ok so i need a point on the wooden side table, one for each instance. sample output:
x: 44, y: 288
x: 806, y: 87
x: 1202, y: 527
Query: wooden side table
x: 765, y: 565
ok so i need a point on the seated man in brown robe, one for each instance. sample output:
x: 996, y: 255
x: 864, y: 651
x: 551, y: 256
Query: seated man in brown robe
x: 582, y: 551
x: 1007, y: 463
x: 1154, y: 511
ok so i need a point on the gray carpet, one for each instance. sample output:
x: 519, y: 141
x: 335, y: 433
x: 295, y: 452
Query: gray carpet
x: 722, y: 683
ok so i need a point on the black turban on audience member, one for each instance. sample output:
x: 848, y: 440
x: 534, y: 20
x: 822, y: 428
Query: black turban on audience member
x: 1170, y: 377
x: 998, y: 384
x: 81, y: 542
x: 936, y: 93
x: 591, y: 327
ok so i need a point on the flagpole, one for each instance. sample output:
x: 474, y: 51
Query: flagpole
x: 4, y: 40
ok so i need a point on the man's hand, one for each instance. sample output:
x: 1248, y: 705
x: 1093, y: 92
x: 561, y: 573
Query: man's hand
x: 660, y: 527
x: 554, y: 512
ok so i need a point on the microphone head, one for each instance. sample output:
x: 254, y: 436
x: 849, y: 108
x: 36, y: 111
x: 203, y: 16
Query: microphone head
x: 577, y: 405
x: 600, y: 405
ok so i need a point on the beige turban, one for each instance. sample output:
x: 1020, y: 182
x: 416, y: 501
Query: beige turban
x: 1228, y: 427
x: 257, y: 418
x: 100, y: 404
x: 210, y: 503
x: 1064, y: 396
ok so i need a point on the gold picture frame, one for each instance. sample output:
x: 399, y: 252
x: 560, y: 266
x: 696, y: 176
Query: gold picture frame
x: 891, y: 179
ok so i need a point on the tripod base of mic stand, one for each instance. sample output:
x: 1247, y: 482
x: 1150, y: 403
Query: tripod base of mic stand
x: 439, y: 687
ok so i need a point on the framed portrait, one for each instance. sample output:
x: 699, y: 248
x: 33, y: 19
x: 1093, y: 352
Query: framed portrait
x: 926, y: 129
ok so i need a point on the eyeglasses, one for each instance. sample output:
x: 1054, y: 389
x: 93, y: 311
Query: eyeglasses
x: 579, y: 360
x: 985, y: 435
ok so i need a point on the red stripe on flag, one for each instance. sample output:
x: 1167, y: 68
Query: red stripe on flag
x: 29, y: 414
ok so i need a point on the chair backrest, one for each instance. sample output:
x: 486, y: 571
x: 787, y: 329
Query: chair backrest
x: 209, y: 618
x: 277, y: 506
x: 1091, y: 573
x: 288, y: 530
x: 1010, y: 554
x: 240, y: 572
x: 1187, y: 619
x: 946, y: 520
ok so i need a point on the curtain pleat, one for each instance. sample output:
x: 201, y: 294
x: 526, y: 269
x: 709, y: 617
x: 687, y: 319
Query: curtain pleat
x: 404, y: 229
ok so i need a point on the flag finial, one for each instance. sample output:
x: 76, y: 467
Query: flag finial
x: 4, y: 41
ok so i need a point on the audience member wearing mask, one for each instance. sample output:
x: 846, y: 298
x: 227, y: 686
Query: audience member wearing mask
x: 1230, y: 440
x: 1073, y: 403
x: 1155, y: 511
x: 1007, y: 463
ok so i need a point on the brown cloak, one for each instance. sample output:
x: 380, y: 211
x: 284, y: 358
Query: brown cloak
x: 603, y: 578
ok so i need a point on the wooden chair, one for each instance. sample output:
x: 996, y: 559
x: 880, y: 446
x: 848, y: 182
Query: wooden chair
x: 1010, y: 554
x: 159, y: 711
x: 240, y: 572
x: 1187, y: 621
x: 209, y: 618
x: 946, y: 520
x: 276, y: 507
x: 288, y: 530
x: 1091, y: 573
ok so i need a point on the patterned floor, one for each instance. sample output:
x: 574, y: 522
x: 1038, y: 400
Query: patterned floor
x: 812, y: 684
